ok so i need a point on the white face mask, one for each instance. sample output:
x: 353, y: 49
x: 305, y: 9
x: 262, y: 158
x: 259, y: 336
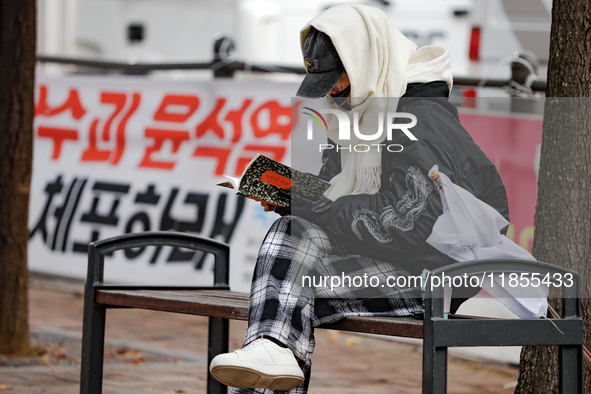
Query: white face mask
x: 342, y: 98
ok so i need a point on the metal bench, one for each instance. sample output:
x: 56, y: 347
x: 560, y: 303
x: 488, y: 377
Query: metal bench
x: 220, y: 304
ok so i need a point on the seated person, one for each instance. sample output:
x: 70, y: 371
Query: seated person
x: 380, y: 209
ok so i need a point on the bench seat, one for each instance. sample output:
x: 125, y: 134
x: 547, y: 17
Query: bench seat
x: 222, y: 305
x: 232, y: 305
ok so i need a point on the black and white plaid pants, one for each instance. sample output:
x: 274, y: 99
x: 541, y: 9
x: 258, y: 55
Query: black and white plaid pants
x: 286, y: 306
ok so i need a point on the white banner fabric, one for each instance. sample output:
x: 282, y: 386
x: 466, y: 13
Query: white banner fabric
x: 127, y: 154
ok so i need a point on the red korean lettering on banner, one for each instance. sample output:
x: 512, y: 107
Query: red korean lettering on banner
x: 235, y: 118
x: 268, y: 119
x: 72, y: 103
x: 58, y: 135
x: 112, y: 153
x: 212, y: 124
x: 175, y: 109
x: 185, y: 107
x: 211, y: 121
x: 159, y: 136
x: 221, y: 156
x: 278, y: 120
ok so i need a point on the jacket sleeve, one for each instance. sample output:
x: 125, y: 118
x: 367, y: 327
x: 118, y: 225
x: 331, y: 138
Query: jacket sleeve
x: 396, y: 221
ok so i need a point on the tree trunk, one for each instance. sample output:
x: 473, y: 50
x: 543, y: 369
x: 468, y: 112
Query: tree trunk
x: 563, y: 214
x: 17, y: 74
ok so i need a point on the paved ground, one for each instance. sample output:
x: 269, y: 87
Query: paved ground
x: 154, y: 352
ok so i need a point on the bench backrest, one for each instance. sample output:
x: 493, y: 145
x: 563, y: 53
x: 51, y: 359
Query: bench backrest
x: 98, y: 249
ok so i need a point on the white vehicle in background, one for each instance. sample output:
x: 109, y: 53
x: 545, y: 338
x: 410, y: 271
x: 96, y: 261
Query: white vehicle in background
x: 503, y: 28
x: 263, y: 31
x: 477, y: 33
x: 268, y: 31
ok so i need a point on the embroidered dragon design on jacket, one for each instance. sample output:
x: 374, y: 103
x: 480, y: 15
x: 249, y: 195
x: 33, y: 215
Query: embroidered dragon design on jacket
x: 402, y: 216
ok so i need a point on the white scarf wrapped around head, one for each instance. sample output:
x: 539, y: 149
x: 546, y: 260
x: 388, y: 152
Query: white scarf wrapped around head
x: 380, y: 61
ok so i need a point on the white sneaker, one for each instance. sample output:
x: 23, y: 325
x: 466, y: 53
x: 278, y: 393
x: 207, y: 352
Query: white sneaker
x: 260, y: 364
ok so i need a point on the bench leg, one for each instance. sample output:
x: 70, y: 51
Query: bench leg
x: 93, y: 345
x: 218, y: 340
x: 570, y: 361
x: 434, y: 369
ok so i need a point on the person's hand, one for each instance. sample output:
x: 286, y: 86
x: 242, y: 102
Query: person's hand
x: 274, y: 208
x: 316, y: 211
x: 267, y: 207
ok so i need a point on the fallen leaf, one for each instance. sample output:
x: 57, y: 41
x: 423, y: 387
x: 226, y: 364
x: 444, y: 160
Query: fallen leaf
x: 4, y: 387
x: 123, y: 350
x: 333, y: 336
x: 353, y: 341
x: 510, y: 385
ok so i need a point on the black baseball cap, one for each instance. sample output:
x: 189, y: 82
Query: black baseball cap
x: 323, y: 65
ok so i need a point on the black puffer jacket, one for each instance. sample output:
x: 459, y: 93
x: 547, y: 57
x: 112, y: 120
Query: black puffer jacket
x: 393, y: 225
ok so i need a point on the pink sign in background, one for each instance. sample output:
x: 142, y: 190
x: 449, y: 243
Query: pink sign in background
x: 512, y: 144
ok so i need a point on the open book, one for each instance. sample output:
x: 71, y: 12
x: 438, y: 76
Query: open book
x: 263, y: 178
